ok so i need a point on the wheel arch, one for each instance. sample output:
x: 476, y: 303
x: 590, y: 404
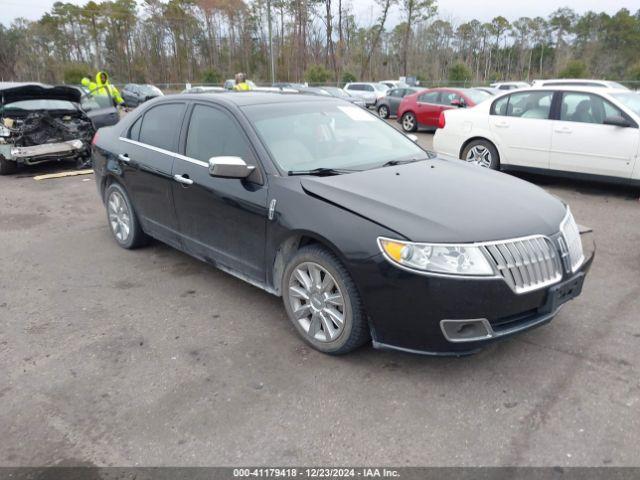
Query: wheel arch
x: 486, y: 139
x: 288, y: 248
x: 105, y: 182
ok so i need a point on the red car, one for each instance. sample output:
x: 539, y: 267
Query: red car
x: 423, y: 109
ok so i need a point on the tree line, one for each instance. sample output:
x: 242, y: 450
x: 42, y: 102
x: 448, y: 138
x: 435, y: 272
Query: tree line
x: 319, y: 41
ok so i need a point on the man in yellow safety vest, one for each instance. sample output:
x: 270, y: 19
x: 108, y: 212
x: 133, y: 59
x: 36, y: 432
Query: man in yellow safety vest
x: 241, y: 83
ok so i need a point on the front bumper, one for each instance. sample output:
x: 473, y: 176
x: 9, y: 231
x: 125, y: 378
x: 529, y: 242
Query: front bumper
x: 36, y: 153
x: 406, y: 310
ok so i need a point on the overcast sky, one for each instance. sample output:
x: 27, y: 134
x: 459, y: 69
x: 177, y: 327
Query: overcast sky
x: 455, y: 10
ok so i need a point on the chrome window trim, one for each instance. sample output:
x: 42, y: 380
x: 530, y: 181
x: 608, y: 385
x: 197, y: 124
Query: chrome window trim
x: 165, y: 152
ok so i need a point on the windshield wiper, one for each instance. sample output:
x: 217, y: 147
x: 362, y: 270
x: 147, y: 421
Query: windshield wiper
x: 392, y: 163
x: 322, y: 171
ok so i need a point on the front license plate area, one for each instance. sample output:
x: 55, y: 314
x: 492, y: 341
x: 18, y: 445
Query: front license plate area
x: 563, y: 292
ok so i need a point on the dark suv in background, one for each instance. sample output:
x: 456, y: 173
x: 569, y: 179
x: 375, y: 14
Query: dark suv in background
x: 135, y: 94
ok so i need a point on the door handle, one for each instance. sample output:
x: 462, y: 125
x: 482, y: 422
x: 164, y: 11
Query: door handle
x: 183, y: 180
x: 562, y: 130
x: 502, y: 124
x: 124, y: 157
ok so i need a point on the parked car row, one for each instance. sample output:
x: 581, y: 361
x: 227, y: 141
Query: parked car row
x: 589, y: 132
x: 423, y: 108
x: 367, y: 237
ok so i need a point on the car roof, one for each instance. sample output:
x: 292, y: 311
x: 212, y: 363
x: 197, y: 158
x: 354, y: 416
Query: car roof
x: 573, y: 88
x: 243, y: 99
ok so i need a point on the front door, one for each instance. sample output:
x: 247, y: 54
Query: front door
x: 222, y: 220
x: 582, y: 143
x: 101, y: 109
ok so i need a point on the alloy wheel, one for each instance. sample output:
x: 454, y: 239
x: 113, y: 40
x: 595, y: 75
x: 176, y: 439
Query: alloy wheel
x: 317, y: 302
x: 383, y: 111
x: 408, y: 122
x: 119, y: 216
x: 479, y: 155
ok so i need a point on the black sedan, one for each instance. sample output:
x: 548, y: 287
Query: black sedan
x: 134, y: 94
x: 365, y: 236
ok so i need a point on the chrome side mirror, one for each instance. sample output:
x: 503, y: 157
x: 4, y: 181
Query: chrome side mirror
x: 412, y: 137
x: 229, y: 167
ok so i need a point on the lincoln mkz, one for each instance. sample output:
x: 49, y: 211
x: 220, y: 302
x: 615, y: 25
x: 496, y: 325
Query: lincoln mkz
x: 365, y: 236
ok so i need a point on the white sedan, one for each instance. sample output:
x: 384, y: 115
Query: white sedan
x: 575, y: 131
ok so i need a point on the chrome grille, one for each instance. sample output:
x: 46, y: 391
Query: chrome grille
x: 571, y: 243
x: 526, y: 264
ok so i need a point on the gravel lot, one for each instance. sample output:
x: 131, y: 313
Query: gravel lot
x: 149, y: 357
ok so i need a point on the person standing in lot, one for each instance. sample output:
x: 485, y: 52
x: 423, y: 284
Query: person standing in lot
x: 103, y: 87
x: 241, y: 83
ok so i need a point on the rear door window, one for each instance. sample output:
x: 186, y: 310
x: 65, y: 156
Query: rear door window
x: 524, y: 105
x: 429, y: 97
x: 134, y: 131
x: 161, y: 125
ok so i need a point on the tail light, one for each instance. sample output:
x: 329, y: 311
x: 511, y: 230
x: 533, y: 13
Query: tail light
x: 441, y: 120
x: 95, y: 139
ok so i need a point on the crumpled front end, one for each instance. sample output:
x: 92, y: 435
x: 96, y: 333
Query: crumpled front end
x: 43, y: 136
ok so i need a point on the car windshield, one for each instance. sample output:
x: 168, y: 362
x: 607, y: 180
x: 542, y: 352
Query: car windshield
x: 617, y: 85
x: 149, y: 89
x: 477, y: 95
x: 630, y: 100
x: 40, y: 105
x: 310, y: 135
x: 380, y: 87
x: 336, y: 92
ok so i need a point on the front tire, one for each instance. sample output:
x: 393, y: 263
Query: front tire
x: 323, y: 302
x: 383, y: 112
x: 409, y: 122
x: 7, y: 167
x: 482, y: 153
x: 122, y: 218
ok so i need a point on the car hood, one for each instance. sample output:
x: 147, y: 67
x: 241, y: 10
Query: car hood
x: 34, y: 91
x: 443, y: 201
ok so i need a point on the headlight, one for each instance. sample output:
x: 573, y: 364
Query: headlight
x: 437, y: 258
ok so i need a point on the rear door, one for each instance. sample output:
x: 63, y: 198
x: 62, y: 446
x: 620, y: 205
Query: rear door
x: 146, y: 158
x: 428, y: 108
x: 221, y: 220
x: 582, y: 143
x: 394, y: 97
x: 521, y: 124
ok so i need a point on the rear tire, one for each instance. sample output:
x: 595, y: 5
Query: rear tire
x: 323, y: 302
x: 482, y: 153
x: 122, y: 219
x: 409, y: 122
x: 7, y: 167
